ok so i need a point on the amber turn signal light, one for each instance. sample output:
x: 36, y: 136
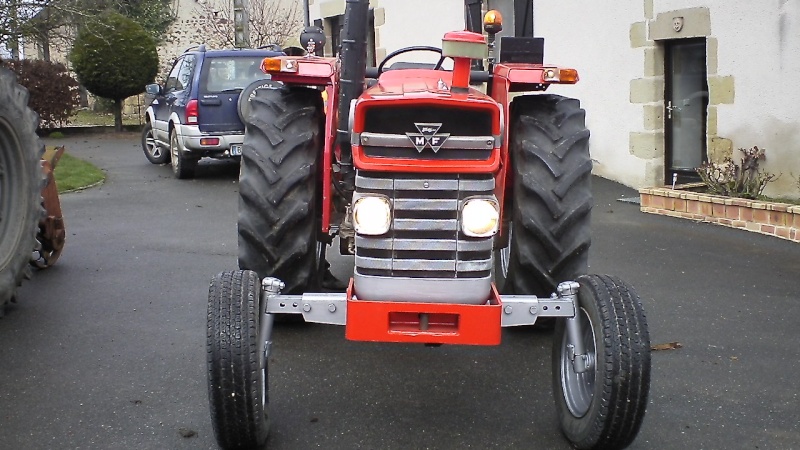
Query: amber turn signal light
x: 272, y: 65
x: 493, y: 22
x: 558, y: 75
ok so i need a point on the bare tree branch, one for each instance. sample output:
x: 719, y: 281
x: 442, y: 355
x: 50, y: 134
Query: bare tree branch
x: 270, y: 23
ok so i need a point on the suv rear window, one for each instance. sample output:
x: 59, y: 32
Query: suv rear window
x: 230, y: 74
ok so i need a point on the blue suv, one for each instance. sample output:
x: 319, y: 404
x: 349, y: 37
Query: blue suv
x: 196, y: 113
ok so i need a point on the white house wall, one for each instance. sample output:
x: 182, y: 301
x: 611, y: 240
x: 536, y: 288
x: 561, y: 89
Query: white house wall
x: 403, y: 23
x: 418, y: 22
x: 593, y: 38
x: 759, y: 46
x: 753, y: 65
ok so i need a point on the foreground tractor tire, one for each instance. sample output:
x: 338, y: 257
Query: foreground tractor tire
x: 551, y: 197
x: 603, y: 408
x: 237, y: 368
x: 279, y: 185
x: 21, y: 182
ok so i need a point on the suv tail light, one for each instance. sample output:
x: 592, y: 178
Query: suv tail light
x: 191, y: 112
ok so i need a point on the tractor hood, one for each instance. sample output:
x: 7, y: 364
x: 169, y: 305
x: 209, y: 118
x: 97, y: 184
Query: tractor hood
x: 411, y: 121
x: 416, y: 83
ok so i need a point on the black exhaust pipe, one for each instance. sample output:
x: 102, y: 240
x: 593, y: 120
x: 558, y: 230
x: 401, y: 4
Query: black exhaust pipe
x: 472, y: 15
x: 351, y: 81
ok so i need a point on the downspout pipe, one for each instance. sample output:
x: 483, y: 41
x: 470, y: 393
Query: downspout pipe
x: 351, y: 81
x: 473, y: 21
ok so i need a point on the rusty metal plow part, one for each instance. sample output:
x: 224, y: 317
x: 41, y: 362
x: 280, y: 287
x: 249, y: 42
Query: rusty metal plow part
x: 51, y: 235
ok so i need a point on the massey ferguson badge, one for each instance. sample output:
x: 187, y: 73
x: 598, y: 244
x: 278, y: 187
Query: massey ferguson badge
x: 428, y: 137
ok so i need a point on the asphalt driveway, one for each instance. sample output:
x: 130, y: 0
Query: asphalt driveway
x: 106, y: 350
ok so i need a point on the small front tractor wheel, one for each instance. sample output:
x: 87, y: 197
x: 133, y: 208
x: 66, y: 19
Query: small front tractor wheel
x: 551, y: 196
x: 279, y: 186
x: 237, y: 367
x: 603, y: 406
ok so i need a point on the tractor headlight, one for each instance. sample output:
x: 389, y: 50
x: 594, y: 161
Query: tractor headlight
x: 372, y: 215
x: 480, y: 217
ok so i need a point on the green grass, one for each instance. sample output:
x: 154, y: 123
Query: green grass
x: 72, y: 173
x: 87, y: 117
x: 791, y: 201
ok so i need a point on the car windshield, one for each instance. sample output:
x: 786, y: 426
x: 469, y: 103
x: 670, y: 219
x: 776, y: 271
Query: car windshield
x: 231, y: 74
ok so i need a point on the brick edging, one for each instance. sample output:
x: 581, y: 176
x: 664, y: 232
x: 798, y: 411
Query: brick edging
x: 774, y: 219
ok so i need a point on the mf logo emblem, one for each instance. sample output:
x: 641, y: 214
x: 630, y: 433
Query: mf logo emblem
x: 428, y: 136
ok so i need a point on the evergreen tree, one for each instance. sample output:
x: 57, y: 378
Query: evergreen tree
x: 114, y: 58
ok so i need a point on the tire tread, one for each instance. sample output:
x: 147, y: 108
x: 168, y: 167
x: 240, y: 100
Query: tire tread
x: 552, y: 198
x: 233, y: 361
x: 20, y: 123
x: 619, y: 405
x: 278, y: 186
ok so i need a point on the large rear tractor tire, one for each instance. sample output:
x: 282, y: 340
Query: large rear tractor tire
x: 238, y: 375
x: 21, y: 182
x: 603, y: 407
x: 279, y: 185
x: 551, y: 197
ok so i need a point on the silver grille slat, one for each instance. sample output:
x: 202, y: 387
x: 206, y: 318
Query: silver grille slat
x: 373, y: 263
x: 401, y: 140
x: 426, y: 185
x: 373, y: 242
x: 426, y: 244
x: 425, y: 204
x: 423, y: 264
x: 473, y: 266
x: 374, y: 183
x: 476, y: 185
x: 426, y: 224
x: 474, y: 246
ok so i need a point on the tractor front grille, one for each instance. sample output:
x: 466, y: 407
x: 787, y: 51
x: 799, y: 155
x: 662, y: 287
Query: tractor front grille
x: 456, y: 120
x: 453, y: 133
x: 425, y: 238
x: 443, y: 154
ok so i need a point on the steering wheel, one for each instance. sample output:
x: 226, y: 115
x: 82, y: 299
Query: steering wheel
x: 415, y: 48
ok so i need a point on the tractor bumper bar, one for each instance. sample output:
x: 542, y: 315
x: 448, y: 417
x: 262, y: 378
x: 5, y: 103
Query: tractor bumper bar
x: 423, y: 322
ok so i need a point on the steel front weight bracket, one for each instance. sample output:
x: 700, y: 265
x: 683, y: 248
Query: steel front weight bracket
x: 577, y: 354
x: 270, y: 287
x: 517, y: 310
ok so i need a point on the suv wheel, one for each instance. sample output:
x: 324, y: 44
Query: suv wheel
x: 152, y: 150
x: 182, y: 166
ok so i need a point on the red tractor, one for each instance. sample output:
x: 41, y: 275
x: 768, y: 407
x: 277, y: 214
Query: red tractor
x: 466, y: 212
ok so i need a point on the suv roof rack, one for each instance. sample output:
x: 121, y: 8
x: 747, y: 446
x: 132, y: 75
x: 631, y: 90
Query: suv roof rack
x: 199, y: 48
